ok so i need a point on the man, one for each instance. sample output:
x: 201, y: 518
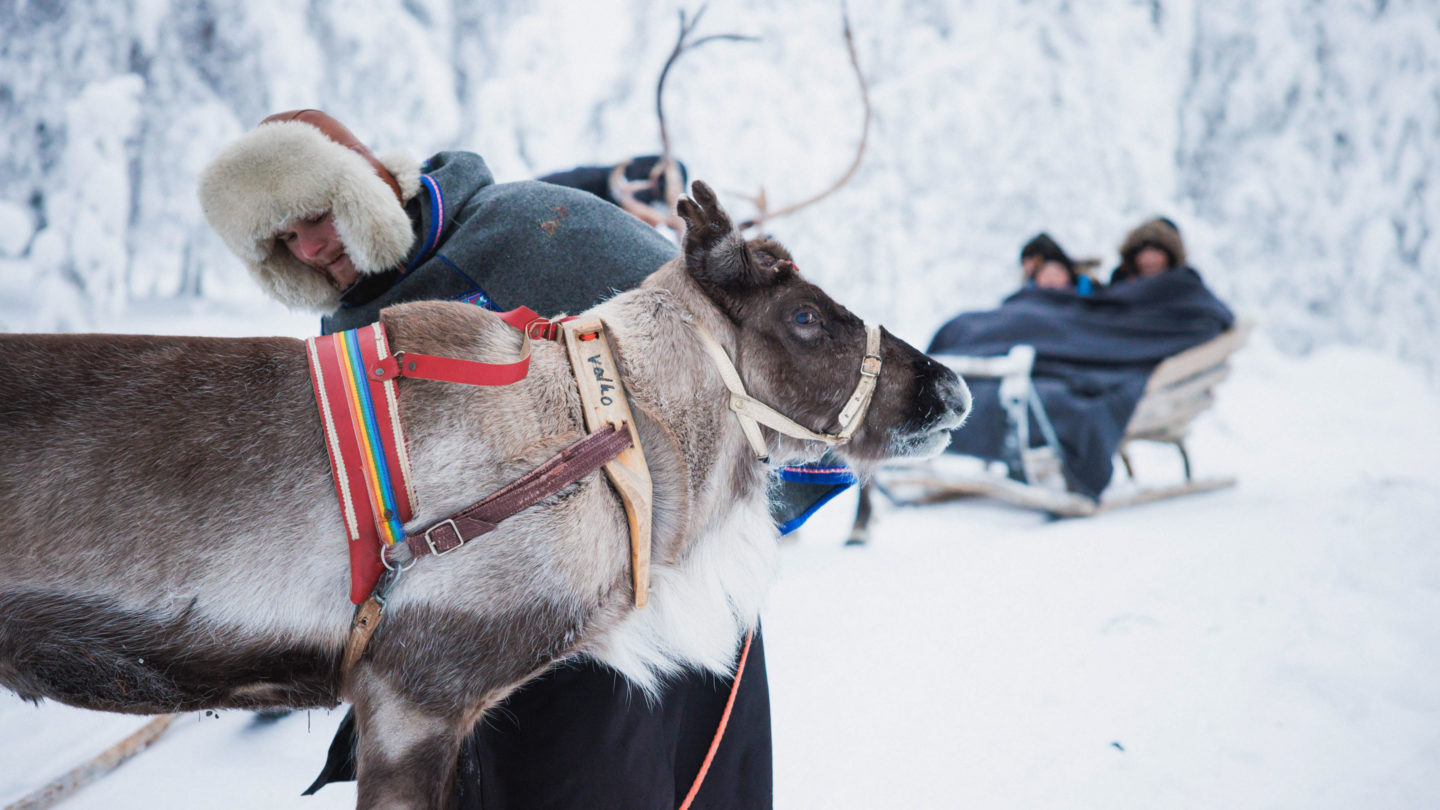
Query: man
x: 323, y: 224
x: 1154, y: 247
x: 1045, y: 265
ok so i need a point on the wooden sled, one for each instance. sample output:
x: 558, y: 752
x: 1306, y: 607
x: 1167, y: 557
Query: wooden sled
x: 1179, y: 389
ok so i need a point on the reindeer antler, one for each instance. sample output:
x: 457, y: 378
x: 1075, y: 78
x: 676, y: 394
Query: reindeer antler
x: 759, y: 199
x: 624, y: 190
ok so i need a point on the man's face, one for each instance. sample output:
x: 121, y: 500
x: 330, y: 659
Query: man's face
x: 1151, y: 261
x: 1052, y: 276
x: 316, y: 244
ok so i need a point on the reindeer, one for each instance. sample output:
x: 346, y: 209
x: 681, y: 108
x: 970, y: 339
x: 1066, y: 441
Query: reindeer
x: 172, y: 540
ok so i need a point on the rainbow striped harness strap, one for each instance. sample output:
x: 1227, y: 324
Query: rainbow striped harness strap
x: 363, y: 434
x: 354, y: 376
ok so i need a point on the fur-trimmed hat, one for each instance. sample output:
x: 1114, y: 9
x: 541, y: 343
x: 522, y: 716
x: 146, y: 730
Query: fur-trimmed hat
x: 297, y: 165
x: 1160, y: 233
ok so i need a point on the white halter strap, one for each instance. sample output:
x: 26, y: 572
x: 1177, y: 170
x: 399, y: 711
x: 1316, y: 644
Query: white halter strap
x: 752, y: 413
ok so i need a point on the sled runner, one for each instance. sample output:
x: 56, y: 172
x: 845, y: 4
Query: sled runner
x: 63, y: 787
x: 1178, y: 390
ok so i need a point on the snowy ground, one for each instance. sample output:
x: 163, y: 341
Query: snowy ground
x: 1268, y: 646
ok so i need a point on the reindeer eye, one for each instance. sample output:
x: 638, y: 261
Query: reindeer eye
x: 805, y: 316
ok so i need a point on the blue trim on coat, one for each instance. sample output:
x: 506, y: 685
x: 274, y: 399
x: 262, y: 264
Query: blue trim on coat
x: 437, y: 206
x: 478, y: 298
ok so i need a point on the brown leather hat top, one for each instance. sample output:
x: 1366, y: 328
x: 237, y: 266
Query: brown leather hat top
x: 337, y: 132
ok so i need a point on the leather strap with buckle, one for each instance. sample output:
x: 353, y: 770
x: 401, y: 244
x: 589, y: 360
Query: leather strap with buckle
x: 568, y: 466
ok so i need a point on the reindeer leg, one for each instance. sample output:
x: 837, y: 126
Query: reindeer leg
x: 406, y: 756
x: 864, y: 510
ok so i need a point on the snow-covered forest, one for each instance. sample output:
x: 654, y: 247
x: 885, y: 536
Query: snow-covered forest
x: 1295, y: 142
x: 1267, y: 646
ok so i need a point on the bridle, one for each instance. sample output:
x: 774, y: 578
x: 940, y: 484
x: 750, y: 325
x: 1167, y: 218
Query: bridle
x: 752, y: 413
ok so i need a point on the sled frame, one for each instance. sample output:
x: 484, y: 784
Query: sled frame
x: 1179, y: 389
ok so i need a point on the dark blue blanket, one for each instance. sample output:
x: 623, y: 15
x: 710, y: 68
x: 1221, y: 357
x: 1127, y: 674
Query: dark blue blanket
x: 1093, y: 355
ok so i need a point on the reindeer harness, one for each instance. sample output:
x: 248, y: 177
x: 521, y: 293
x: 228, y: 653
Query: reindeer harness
x: 353, y: 374
x: 354, y: 377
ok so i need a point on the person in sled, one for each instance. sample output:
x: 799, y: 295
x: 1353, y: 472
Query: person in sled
x: 1093, y: 354
x: 1045, y: 265
x: 1154, y: 247
x: 324, y: 224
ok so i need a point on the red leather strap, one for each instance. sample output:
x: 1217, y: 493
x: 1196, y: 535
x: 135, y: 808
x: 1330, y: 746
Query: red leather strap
x: 375, y: 499
x: 449, y: 369
x: 470, y: 372
x: 565, y: 468
x: 533, y: 324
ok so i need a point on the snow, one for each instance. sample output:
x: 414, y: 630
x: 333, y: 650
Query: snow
x: 1266, y: 646
x: 16, y: 228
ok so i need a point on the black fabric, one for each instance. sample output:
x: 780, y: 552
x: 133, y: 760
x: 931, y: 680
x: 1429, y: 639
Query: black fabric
x: 596, y: 179
x: 1093, y: 355
x: 368, y: 288
x: 546, y: 743
x: 798, y: 491
x: 582, y: 737
x: 793, y: 501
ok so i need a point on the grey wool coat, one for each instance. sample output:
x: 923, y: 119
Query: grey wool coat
x: 551, y: 248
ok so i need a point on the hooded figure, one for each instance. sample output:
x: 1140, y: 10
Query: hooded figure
x: 1152, y: 237
x: 438, y: 230
x: 1043, y: 251
x: 297, y: 165
x: 1041, y: 246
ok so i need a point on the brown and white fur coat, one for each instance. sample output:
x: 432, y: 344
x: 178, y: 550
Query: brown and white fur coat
x: 172, y: 542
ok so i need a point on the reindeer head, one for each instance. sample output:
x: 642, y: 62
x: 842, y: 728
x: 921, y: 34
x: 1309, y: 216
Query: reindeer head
x: 801, y: 353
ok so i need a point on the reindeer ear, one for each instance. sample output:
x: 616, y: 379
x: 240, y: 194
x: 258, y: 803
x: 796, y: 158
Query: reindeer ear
x: 770, y: 256
x: 715, y: 253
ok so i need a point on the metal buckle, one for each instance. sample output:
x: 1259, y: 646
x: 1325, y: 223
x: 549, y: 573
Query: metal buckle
x: 431, y: 543
x: 869, y: 369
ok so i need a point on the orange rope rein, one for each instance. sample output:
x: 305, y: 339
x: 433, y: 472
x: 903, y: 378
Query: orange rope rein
x: 720, y: 730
